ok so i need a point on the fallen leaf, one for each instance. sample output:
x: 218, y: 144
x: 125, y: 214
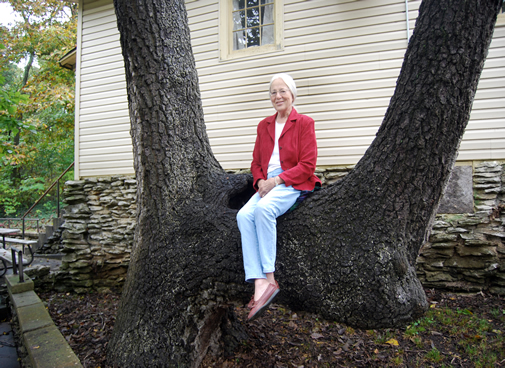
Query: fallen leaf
x: 392, y: 342
x: 346, y: 346
x: 316, y: 335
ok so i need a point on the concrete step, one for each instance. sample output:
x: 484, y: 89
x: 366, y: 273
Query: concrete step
x: 49, y: 230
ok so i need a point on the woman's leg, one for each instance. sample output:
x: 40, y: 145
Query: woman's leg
x: 250, y: 251
x: 271, y: 206
x: 277, y: 202
x: 257, y: 222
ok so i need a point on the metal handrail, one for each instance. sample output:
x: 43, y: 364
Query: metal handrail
x: 56, y: 182
x: 9, y: 221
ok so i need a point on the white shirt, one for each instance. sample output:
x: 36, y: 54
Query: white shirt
x: 275, y: 160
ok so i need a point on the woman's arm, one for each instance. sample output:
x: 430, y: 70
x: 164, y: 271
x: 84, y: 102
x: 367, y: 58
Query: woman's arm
x: 303, y: 166
x: 256, y: 170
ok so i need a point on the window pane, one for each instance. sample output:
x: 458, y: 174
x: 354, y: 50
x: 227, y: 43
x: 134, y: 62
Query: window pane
x: 267, y: 14
x: 267, y: 35
x: 253, y: 23
x: 238, y: 20
x: 253, y: 37
x: 238, y: 4
x: 253, y: 17
x: 239, y: 40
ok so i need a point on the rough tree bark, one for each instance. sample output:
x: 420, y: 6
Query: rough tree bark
x: 348, y: 252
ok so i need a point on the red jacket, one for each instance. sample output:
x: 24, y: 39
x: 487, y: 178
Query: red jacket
x: 297, y: 151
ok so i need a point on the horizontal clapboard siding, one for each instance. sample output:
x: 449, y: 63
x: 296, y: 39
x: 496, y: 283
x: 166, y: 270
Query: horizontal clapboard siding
x: 105, y: 146
x: 345, y: 57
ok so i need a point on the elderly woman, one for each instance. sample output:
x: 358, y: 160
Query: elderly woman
x: 284, y: 161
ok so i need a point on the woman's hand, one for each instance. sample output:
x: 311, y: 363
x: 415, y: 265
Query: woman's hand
x: 265, y: 186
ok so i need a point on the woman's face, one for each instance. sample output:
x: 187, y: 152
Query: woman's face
x: 280, y: 96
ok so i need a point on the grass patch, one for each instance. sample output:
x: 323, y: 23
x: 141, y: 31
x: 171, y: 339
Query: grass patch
x: 434, y: 356
x: 463, y: 333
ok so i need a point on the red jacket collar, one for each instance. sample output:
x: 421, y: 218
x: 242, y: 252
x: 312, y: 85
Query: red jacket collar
x: 290, y: 122
x: 293, y: 115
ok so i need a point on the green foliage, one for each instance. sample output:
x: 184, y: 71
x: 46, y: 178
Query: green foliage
x: 9, y: 102
x: 36, y: 102
x: 477, y: 338
x: 434, y: 355
x: 9, y: 200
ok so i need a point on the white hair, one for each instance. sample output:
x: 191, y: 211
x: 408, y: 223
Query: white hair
x: 286, y: 78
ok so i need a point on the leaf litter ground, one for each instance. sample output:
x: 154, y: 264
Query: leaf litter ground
x: 457, y: 331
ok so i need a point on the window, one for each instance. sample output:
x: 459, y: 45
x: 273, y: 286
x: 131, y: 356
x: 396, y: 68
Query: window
x: 253, y: 23
x: 250, y: 27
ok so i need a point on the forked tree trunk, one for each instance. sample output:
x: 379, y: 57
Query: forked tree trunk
x: 348, y: 252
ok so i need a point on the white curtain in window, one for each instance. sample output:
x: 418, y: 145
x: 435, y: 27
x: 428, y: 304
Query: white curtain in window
x: 267, y: 35
x: 239, y: 40
x: 266, y: 24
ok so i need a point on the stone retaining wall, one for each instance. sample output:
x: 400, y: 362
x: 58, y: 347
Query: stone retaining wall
x: 465, y: 252
x: 98, y: 231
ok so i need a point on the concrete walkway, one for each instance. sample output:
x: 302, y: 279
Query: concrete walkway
x: 44, y: 343
x: 8, y: 352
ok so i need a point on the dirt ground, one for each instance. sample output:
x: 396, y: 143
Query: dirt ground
x: 457, y: 331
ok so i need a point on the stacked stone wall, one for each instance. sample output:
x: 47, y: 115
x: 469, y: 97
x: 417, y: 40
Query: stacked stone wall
x: 465, y: 252
x: 98, y: 233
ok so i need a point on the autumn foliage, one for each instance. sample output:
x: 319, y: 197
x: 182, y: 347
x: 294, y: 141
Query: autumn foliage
x: 36, y: 101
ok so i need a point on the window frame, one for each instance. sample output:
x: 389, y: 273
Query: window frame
x: 226, y: 32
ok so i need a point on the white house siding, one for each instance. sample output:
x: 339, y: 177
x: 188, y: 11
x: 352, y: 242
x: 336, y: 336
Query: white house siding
x: 484, y: 137
x: 105, y: 146
x: 345, y: 56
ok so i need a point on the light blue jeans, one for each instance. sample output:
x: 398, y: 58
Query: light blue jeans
x: 257, y: 222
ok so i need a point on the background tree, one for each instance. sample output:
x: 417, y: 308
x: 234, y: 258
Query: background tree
x: 348, y: 252
x: 38, y: 144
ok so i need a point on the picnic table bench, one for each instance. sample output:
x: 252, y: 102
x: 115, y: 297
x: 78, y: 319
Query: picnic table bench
x: 6, y: 254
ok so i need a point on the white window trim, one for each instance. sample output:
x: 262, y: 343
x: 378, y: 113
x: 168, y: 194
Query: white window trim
x: 226, y: 30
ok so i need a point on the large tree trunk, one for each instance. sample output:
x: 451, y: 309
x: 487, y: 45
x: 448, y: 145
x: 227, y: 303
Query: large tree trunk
x: 348, y: 252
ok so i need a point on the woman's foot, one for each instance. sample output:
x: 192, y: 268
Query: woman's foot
x: 260, y: 286
x: 259, y: 306
x: 250, y: 305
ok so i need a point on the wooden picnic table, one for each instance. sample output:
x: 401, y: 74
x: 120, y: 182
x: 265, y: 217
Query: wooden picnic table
x: 4, y: 232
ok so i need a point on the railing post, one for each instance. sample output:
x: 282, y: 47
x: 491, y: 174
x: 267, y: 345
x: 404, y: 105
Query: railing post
x: 20, y: 259
x: 14, y: 267
x: 58, y: 197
